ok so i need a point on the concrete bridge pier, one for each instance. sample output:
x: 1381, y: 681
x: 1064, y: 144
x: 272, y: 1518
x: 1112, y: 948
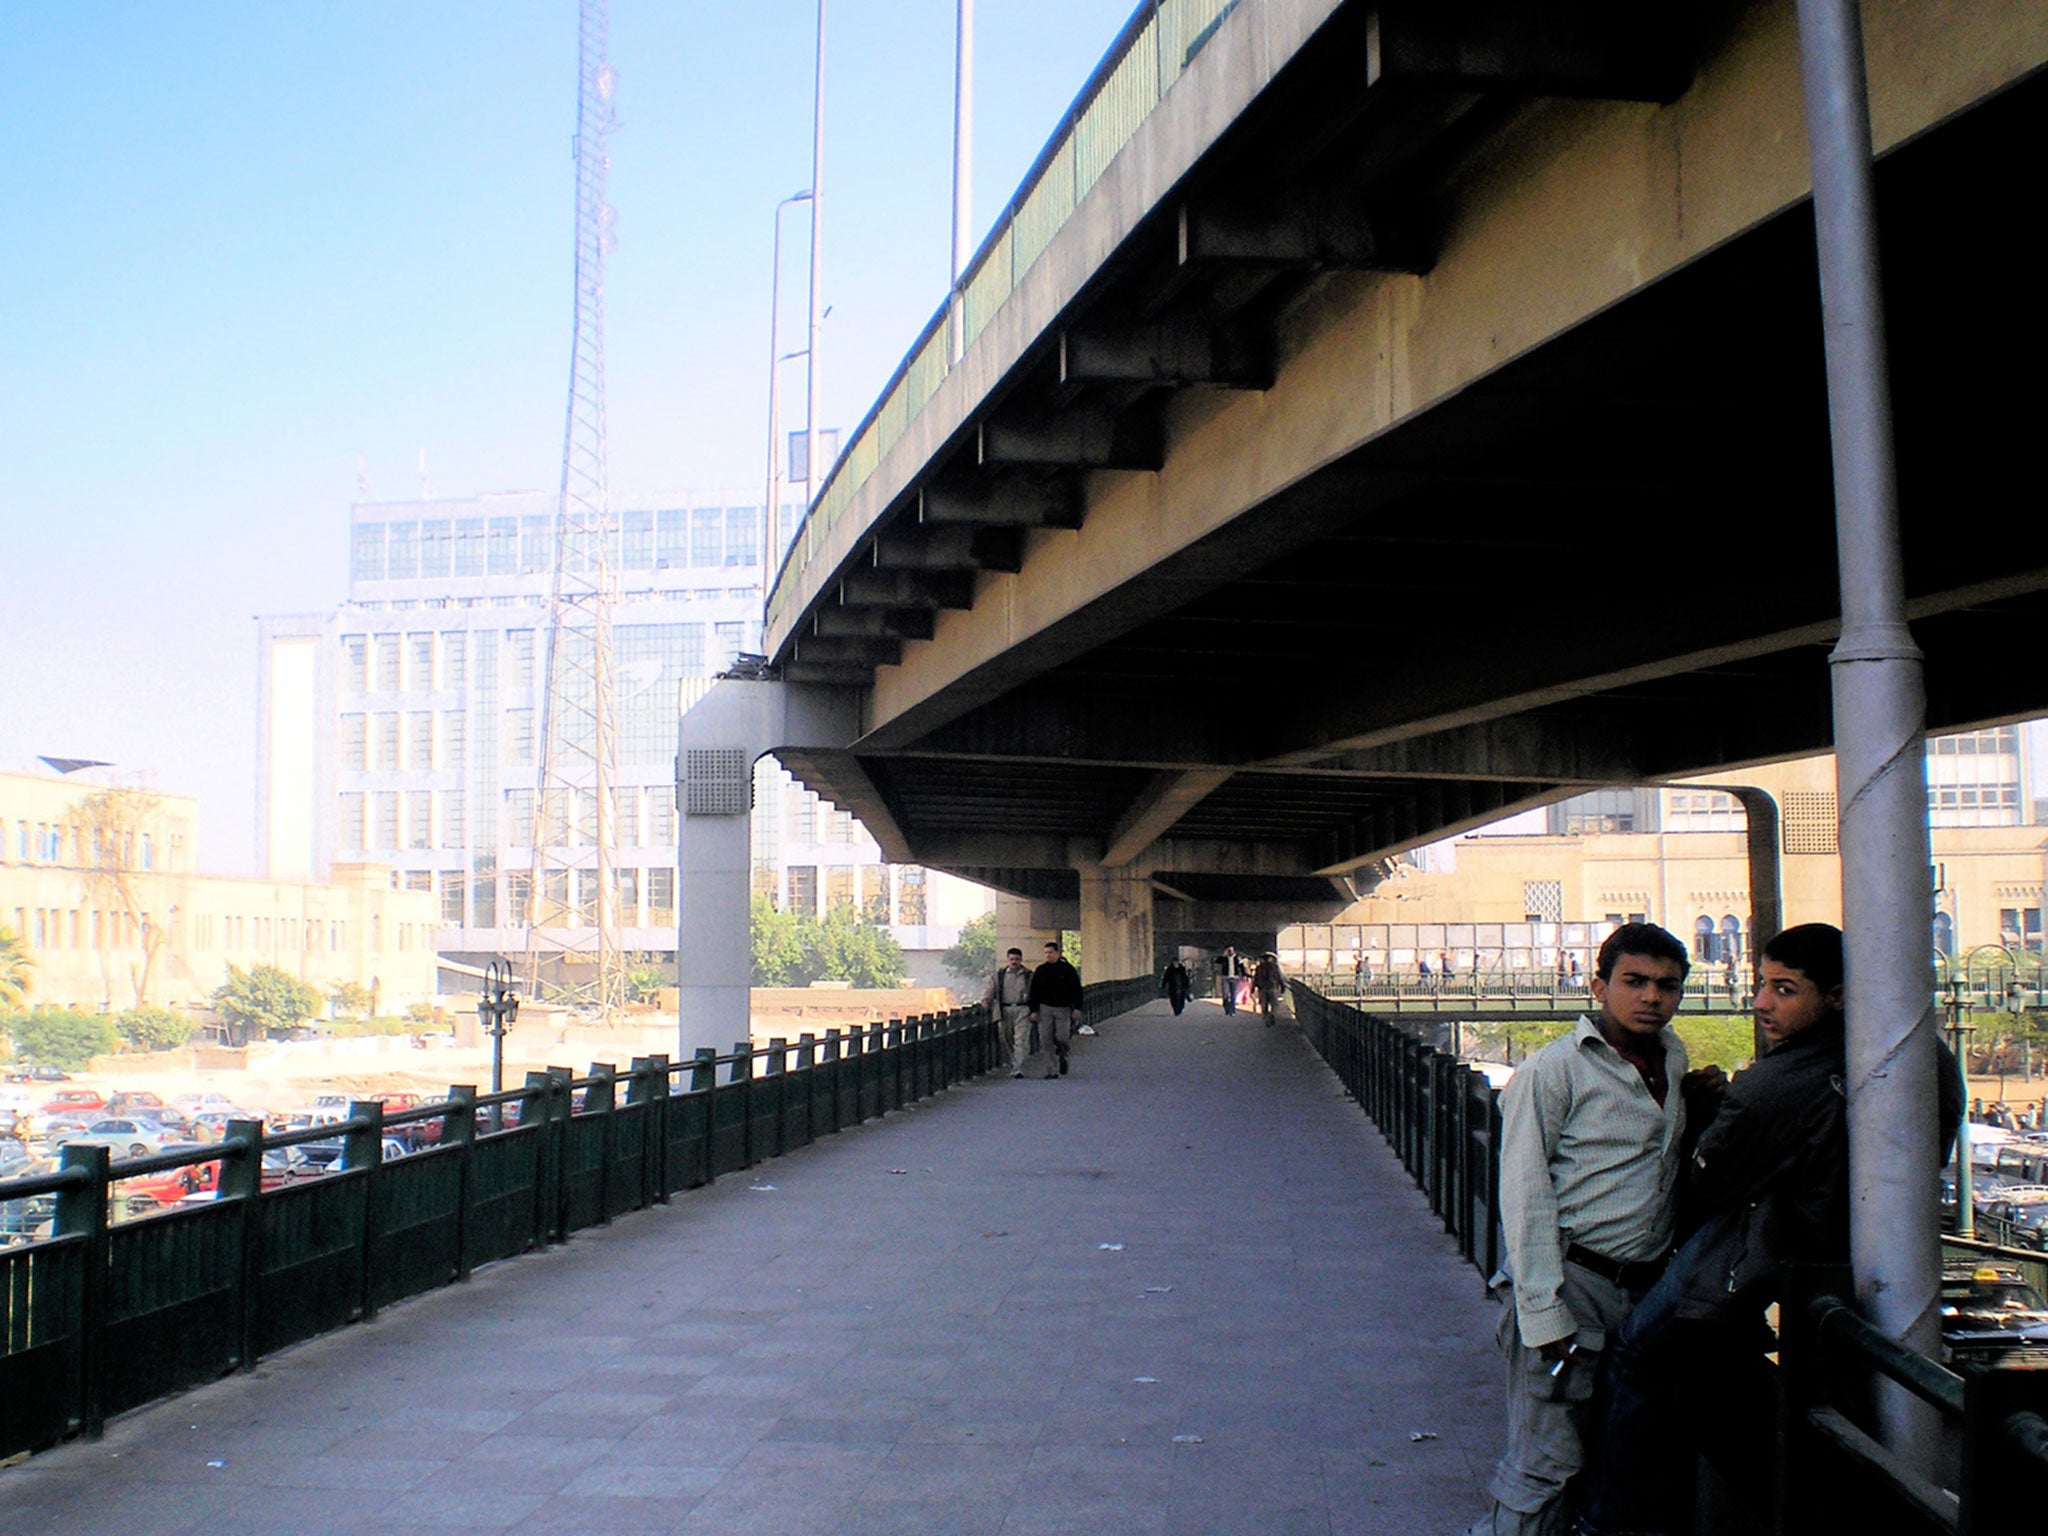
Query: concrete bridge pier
x: 1116, y: 921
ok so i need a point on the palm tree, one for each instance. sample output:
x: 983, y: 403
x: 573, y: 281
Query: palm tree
x: 15, y: 966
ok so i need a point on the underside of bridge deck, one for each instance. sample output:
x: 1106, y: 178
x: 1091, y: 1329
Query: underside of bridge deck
x: 1609, y: 559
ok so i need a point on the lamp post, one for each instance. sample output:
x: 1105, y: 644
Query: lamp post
x: 771, y: 557
x: 498, y: 1007
x: 1958, y: 1036
x: 811, y: 467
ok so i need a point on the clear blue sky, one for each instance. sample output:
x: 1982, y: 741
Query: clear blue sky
x: 246, y: 242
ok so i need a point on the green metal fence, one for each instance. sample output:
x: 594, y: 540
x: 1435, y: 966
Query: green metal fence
x: 98, y: 1316
x: 1149, y: 56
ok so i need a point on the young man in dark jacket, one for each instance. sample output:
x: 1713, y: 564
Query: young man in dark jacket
x: 1055, y: 1001
x: 1770, y: 1186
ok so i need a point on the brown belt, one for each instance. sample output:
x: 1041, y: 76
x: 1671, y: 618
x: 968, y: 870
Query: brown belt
x: 1638, y: 1275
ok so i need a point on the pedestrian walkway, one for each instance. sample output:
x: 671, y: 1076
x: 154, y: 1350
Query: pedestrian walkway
x: 1186, y: 1289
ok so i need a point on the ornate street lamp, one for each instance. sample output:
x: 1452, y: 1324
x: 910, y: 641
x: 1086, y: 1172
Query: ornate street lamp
x: 498, y: 1007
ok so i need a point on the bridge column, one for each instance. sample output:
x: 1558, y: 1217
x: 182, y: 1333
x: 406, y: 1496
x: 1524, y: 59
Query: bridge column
x: 1116, y: 922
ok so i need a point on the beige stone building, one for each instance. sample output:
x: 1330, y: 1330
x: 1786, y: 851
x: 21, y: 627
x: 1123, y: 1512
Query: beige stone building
x: 101, y: 884
x: 1549, y: 886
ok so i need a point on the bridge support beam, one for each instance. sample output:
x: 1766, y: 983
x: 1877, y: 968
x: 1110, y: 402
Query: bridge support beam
x: 721, y: 736
x: 1116, y: 922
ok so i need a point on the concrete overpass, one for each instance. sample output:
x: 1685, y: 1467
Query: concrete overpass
x: 1419, y: 417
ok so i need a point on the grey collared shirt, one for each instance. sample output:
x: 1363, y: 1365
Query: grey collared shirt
x: 1587, y: 1156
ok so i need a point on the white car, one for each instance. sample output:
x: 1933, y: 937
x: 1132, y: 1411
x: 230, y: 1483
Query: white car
x: 124, y: 1138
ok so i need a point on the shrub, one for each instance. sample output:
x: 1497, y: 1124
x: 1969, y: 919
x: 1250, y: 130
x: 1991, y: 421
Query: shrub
x: 153, y: 1029
x: 61, y: 1037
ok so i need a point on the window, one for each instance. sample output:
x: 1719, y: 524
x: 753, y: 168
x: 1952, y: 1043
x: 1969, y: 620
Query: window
x: 451, y: 817
x: 519, y: 658
x: 419, y: 674
x: 419, y: 807
x: 366, y: 552
x: 484, y: 903
x: 672, y: 540
x: 803, y: 888
x: 386, y: 805
x: 387, y: 663
x: 803, y: 817
x: 454, y: 655
x: 661, y: 897
x: 636, y: 547
x: 839, y: 885
x: 355, y: 742
x: 402, y: 551
x: 436, y: 547
x: 742, y: 535
x: 661, y: 816
x: 518, y: 897
x: 355, y: 663
x: 519, y: 817
x: 454, y: 894
x: 1543, y: 901
x: 536, y: 544
x: 586, y: 896
x: 519, y: 737
x: 910, y: 906
x: 707, y: 536
x: 453, y: 723
x: 387, y: 741
x: 469, y: 547
x: 419, y: 728
x: 729, y: 638
x: 351, y: 830
x: 503, y: 546
x: 626, y: 816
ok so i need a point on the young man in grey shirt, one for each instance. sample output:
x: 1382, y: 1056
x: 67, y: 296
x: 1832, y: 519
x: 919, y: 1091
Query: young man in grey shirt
x: 1590, y: 1129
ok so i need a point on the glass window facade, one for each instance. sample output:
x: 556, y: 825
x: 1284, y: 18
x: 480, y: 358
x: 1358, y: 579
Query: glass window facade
x: 742, y: 536
x: 707, y: 536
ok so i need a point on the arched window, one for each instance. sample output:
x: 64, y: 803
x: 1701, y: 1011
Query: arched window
x: 1705, y: 951
x: 1944, y: 934
x: 1731, y: 936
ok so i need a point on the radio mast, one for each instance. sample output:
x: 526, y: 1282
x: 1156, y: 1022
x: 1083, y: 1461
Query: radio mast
x: 572, y: 914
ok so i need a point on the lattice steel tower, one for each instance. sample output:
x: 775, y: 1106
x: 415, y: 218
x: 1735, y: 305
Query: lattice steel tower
x: 572, y: 917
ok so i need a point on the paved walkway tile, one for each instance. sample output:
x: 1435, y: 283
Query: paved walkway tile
x: 1185, y: 1290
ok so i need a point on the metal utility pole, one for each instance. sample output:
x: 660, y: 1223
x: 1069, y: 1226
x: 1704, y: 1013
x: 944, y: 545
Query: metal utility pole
x: 1880, y: 747
x: 813, y: 471
x: 572, y: 930
x: 771, y: 561
x: 963, y: 136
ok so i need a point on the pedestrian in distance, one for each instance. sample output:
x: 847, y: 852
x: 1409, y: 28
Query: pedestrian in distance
x: 1226, y: 978
x: 1009, y: 1003
x: 1591, y: 1129
x: 1054, y: 1000
x: 1267, y: 986
x: 1768, y: 1183
x: 1174, y: 983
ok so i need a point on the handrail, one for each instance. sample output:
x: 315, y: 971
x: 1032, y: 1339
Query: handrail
x: 1836, y: 1322
x: 1121, y: 94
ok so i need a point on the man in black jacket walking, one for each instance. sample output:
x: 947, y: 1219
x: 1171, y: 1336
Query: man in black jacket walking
x: 1055, y: 999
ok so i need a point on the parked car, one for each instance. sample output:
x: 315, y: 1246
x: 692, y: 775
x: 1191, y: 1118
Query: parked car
x: 35, y: 1074
x: 125, y: 1101
x: 123, y: 1137
x: 1988, y: 1311
x: 289, y: 1165
x: 171, y: 1187
x: 74, y: 1101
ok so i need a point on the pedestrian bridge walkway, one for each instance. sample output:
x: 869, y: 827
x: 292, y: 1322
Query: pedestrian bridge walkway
x: 1187, y: 1289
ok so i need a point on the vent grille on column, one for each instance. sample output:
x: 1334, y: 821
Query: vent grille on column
x: 1810, y: 824
x: 716, y: 782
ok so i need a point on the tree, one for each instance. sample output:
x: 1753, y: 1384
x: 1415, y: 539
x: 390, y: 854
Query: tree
x: 61, y: 1037
x: 973, y: 957
x: 17, y: 967
x: 778, y: 944
x: 352, y: 1000
x: 153, y: 1029
x: 262, y: 999
x: 850, y: 946
x: 644, y: 983
x: 118, y: 832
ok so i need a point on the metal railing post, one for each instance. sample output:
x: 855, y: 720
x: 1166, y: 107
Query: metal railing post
x: 458, y: 1129
x: 704, y: 1082
x: 82, y: 1213
x: 241, y: 1181
x: 598, y: 1099
x: 743, y: 1073
x: 363, y: 1148
x: 649, y: 1088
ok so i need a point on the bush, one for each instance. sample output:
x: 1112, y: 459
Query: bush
x: 263, y: 1000
x: 792, y: 949
x: 1724, y: 1040
x: 974, y: 957
x: 644, y: 984
x: 61, y: 1037
x: 153, y: 1029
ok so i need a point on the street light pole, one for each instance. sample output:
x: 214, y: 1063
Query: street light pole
x: 812, y: 472
x: 771, y: 557
x: 497, y: 1005
x: 963, y: 136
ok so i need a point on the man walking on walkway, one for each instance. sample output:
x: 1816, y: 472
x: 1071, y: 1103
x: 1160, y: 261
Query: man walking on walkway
x: 1055, y: 996
x: 1009, y: 1001
x: 1590, y: 1128
x: 1226, y: 978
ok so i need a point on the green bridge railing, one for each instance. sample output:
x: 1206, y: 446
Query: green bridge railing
x: 99, y: 1315
x: 1780, y: 1436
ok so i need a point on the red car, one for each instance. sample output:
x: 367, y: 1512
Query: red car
x: 169, y: 1188
x: 75, y: 1101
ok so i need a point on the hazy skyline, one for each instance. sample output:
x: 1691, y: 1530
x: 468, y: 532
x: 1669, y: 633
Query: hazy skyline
x: 251, y: 244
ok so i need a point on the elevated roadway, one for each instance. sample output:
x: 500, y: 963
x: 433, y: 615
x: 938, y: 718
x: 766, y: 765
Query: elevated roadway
x: 1405, y: 415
